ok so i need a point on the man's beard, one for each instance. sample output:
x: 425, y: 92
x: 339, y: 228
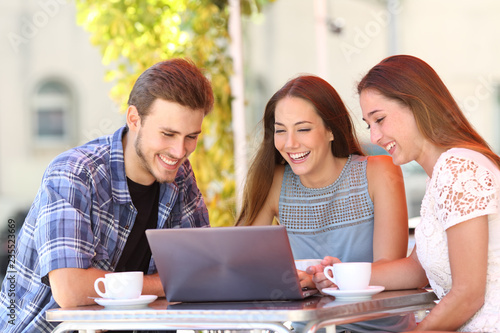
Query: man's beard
x: 143, y: 161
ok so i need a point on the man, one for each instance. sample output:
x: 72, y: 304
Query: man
x: 96, y: 200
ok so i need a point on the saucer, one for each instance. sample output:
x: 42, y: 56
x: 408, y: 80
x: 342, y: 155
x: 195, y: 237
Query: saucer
x: 133, y: 303
x: 353, y: 295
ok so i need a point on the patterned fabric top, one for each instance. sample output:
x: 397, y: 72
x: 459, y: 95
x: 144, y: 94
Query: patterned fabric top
x: 81, y: 218
x: 335, y: 220
x: 465, y: 184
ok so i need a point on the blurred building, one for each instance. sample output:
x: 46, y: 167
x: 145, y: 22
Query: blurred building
x: 53, y: 95
x: 340, y: 40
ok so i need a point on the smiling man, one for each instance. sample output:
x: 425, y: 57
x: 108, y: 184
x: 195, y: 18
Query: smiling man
x: 96, y: 201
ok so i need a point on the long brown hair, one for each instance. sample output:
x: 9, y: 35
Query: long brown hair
x: 329, y: 106
x: 412, y: 82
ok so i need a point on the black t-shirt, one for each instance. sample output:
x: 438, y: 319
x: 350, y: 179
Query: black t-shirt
x: 137, y: 254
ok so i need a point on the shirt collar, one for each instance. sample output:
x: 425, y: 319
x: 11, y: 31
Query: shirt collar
x: 117, y: 165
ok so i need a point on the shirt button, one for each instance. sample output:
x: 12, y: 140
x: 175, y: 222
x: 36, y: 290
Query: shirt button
x: 167, y: 204
x: 126, y: 227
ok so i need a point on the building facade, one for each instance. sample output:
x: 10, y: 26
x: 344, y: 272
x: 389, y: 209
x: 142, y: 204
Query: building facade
x: 53, y: 95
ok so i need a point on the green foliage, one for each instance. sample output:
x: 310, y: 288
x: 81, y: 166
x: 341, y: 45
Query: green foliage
x: 135, y: 34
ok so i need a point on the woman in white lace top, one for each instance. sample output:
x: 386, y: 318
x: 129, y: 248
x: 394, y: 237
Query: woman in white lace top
x: 412, y: 115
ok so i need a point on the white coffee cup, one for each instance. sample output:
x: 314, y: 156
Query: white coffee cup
x: 122, y: 285
x: 350, y: 275
x: 302, y: 264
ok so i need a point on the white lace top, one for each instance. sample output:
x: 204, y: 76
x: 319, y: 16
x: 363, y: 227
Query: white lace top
x: 464, y: 185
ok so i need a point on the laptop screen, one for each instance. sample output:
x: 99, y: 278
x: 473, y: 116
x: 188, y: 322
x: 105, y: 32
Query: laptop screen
x: 225, y: 263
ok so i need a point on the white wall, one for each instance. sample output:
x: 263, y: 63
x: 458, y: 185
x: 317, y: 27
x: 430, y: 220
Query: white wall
x: 40, y: 39
x: 459, y: 38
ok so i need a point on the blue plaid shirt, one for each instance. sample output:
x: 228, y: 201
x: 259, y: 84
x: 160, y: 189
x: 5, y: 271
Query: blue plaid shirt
x: 81, y: 218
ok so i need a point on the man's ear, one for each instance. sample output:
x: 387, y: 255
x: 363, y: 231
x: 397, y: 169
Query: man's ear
x: 133, y: 118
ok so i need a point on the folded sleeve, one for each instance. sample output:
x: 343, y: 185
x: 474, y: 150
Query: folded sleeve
x: 64, y: 234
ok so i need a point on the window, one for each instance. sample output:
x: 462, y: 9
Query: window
x: 54, y: 114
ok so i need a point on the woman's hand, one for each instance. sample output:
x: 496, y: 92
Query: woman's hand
x: 318, y: 277
x: 305, y: 280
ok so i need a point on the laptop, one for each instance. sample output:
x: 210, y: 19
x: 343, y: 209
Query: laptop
x: 247, y: 263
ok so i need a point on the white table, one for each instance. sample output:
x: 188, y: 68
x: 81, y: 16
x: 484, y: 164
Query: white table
x: 316, y: 311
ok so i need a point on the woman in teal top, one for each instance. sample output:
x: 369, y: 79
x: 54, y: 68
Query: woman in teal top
x: 310, y: 174
x: 336, y: 219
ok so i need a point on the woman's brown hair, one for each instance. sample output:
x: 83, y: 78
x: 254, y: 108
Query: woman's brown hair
x: 329, y: 106
x: 412, y: 82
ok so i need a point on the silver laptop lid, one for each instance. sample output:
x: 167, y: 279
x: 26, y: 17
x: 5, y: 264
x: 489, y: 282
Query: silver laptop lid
x: 225, y: 264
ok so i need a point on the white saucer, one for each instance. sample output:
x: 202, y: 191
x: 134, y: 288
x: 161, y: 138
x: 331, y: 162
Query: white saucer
x: 353, y: 295
x: 133, y: 303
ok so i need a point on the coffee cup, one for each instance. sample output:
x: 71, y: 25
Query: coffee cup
x: 302, y: 264
x: 350, y: 275
x: 122, y: 285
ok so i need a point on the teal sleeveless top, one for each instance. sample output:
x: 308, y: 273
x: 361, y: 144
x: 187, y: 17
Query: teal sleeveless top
x: 336, y: 220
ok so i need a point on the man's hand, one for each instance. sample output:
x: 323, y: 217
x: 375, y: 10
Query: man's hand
x: 75, y: 286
